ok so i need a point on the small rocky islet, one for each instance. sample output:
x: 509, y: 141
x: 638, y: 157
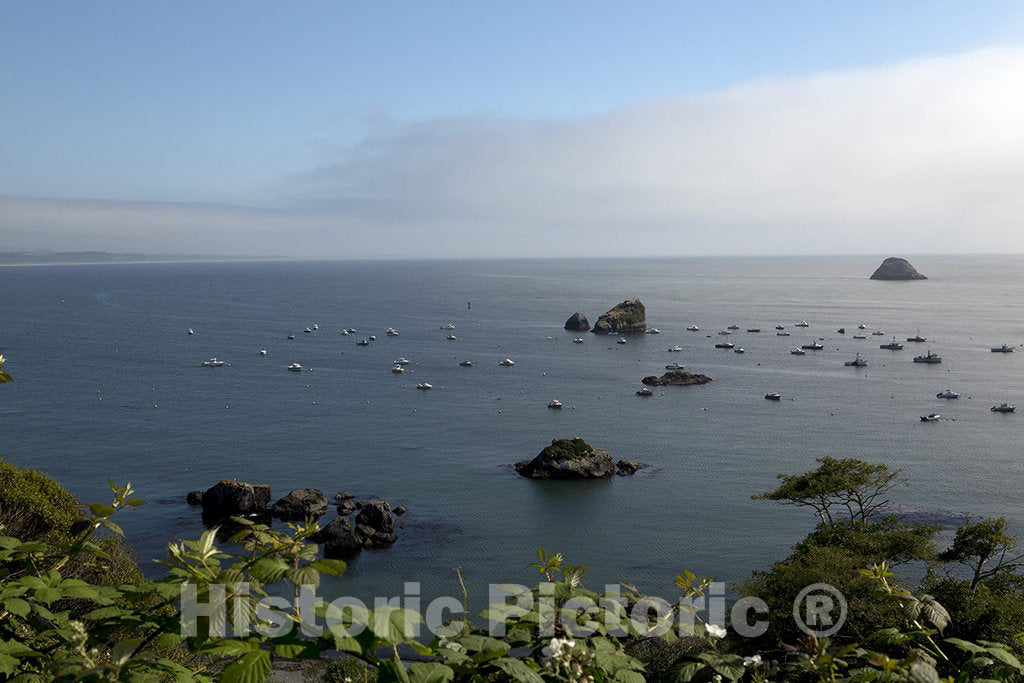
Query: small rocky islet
x: 894, y: 268
x: 626, y: 318
x: 676, y: 378
x: 575, y: 459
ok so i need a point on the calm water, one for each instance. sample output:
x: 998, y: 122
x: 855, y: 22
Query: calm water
x: 109, y: 384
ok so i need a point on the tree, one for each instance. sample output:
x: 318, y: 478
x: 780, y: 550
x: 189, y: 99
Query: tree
x: 859, y: 487
x: 985, y: 548
x: 4, y: 377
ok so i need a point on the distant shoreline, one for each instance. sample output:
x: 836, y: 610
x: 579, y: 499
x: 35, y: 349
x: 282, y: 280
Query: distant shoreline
x: 129, y: 260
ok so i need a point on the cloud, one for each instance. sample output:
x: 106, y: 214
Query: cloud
x: 922, y: 156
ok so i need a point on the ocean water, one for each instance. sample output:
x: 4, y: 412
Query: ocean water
x: 108, y: 384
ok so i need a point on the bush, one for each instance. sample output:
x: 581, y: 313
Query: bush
x: 32, y: 505
x: 567, y: 449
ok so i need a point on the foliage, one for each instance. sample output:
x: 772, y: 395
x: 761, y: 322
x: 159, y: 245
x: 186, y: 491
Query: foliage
x: 991, y: 611
x: 567, y: 449
x: 985, y: 548
x: 876, y: 540
x: 4, y: 377
x: 858, y: 487
x: 33, y: 505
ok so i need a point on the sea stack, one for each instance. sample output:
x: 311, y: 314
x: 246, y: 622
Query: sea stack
x: 577, y: 322
x: 894, y: 268
x: 629, y: 316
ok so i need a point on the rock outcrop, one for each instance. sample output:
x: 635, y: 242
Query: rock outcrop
x: 339, y: 538
x: 194, y: 498
x: 676, y: 378
x: 624, y: 468
x: 568, y: 459
x: 894, y: 268
x: 629, y: 316
x: 376, y: 525
x: 577, y: 322
x: 300, y: 504
x: 228, y: 497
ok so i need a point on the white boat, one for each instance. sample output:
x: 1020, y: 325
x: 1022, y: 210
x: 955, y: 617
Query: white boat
x: 401, y: 361
x: 621, y: 341
x: 344, y: 333
x: 644, y: 392
x: 931, y: 358
x: 780, y: 327
x: 452, y: 337
x: 424, y: 386
x: 675, y: 366
x: 391, y: 332
x: 654, y: 330
x: 191, y: 331
x: 857, y: 362
x: 308, y: 331
x: 878, y: 333
x: 577, y: 340
x: 1004, y: 408
x: 315, y: 326
x: 291, y: 336
x: 802, y: 323
x: 675, y: 349
x: 397, y: 369
x: 363, y: 342
x: 862, y: 326
x: 739, y: 349
x: 508, y: 362
x: 554, y: 404
x: 213, y: 363
x: 351, y: 330
x: 295, y: 367
x: 692, y: 328
x: 892, y: 346
x: 948, y: 393
x: 725, y: 333
x: 1002, y: 349
x: 813, y: 346
x: 798, y: 352
x: 449, y: 326
x: 466, y: 363
x: 725, y: 345
x: 372, y: 338
x: 931, y: 417
x: 773, y: 396
x: 263, y: 352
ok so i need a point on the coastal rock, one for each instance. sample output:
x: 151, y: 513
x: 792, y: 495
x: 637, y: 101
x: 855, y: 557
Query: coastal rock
x: 339, y: 538
x: 376, y: 514
x: 194, y: 498
x: 568, y: 459
x: 676, y: 378
x: 624, y: 468
x: 400, y: 510
x: 629, y: 316
x: 894, y: 268
x: 301, y: 504
x: 228, y: 497
x: 342, y: 496
x: 346, y: 507
x: 577, y: 322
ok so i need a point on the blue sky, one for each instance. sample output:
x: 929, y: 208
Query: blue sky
x: 360, y: 127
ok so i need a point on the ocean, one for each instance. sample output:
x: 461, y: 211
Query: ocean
x: 109, y: 384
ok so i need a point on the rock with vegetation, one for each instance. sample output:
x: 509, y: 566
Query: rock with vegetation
x: 568, y: 459
x: 577, y: 322
x: 676, y: 378
x: 894, y: 268
x: 301, y: 504
x: 629, y: 316
x: 229, y: 497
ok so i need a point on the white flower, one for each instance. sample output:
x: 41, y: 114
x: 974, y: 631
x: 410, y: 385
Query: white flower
x: 752, y: 661
x: 715, y: 631
x: 556, y: 647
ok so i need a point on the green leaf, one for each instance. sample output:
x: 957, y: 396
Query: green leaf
x: 304, y: 576
x: 1005, y: 657
x: 269, y: 569
x: 47, y: 595
x: 227, y: 647
x: 629, y: 676
x: 122, y: 652
x: 966, y: 646
x: 101, y: 510
x: 392, y: 671
x: 329, y: 567
x: 518, y: 670
x: 251, y: 668
x: 922, y: 672
x: 17, y: 606
x: 432, y: 672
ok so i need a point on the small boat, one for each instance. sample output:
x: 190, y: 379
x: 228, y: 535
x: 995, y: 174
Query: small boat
x: 644, y: 392
x: 363, y: 342
x: 739, y: 350
x: 213, y: 363
x: 802, y: 323
x: 577, y: 340
x: 930, y: 417
x: 754, y: 329
x: 725, y: 333
x: 397, y: 369
x: 733, y: 327
x: 780, y: 327
x: 862, y: 326
x: 263, y: 352
x: 892, y: 346
x: 351, y: 330
x: 401, y: 361
x: 841, y: 330
x: 424, y: 386
x: 782, y: 334
x: 857, y: 362
x: 294, y: 367
x: 621, y: 341
x: 724, y: 345
x: 507, y: 362
x: 291, y: 336
x: 554, y: 404
x: 929, y: 358
x: 449, y: 326
x: 308, y: 331
x: 860, y: 336
x: 1002, y: 349
x: 798, y: 352
x: 466, y: 363
x: 1004, y: 408
x: 675, y: 349
x: 372, y: 338
x: 452, y: 337
x: 344, y: 333
x: 654, y: 330
x: 315, y: 327
x: 675, y: 366
x: 191, y: 331
x: 692, y: 328
x: 878, y: 333
x: 948, y: 393
x: 774, y: 396
x: 391, y: 332
x: 813, y: 346
x: 916, y: 338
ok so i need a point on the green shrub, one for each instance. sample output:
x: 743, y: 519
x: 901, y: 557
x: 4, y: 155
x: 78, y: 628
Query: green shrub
x: 32, y: 505
x: 567, y: 449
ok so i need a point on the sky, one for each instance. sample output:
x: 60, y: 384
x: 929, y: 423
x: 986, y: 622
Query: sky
x: 433, y: 129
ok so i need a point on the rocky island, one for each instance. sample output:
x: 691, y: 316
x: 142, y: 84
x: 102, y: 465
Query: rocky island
x: 894, y: 268
x: 629, y: 316
x: 676, y: 378
x: 577, y: 322
x: 574, y: 459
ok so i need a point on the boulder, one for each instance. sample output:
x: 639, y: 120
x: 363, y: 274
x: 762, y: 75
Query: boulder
x: 342, y: 496
x: 339, y: 538
x: 194, y: 498
x: 228, y: 497
x: 376, y: 514
x: 301, y: 504
x: 577, y: 322
x: 400, y: 510
x: 629, y: 316
x: 624, y: 468
x: 346, y: 507
x: 676, y: 378
x: 568, y: 459
x: 894, y: 268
